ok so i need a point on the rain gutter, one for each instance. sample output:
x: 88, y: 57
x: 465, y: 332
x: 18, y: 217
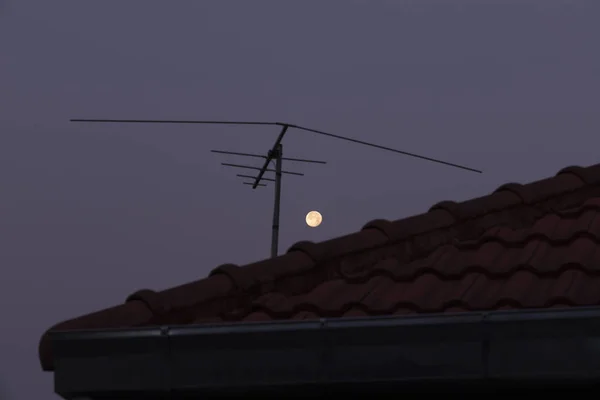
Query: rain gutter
x: 516, y: 346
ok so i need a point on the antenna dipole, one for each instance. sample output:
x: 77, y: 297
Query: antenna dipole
x: 275, y: 153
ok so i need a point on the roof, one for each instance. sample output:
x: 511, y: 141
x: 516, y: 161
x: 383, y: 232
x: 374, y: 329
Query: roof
x: 523, y: 246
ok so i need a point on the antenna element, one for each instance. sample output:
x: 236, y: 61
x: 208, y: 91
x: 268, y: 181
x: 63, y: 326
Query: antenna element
x: 275, y: 153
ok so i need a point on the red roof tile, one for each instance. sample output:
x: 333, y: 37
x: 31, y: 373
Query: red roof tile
x: 523, y: 246
x: 554, y: 262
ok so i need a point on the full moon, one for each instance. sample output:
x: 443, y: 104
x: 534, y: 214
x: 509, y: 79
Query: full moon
x: 314, y: 219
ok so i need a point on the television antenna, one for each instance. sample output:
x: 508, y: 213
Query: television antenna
x: 274, y: 154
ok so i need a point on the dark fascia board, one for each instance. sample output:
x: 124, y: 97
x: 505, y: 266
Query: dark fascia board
x: 529, y: 345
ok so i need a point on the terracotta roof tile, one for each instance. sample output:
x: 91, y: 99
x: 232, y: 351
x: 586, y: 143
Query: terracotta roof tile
x: 554, y: 262
x: 523, y: 246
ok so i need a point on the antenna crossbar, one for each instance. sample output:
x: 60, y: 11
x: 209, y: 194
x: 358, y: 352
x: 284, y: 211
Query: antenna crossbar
x: 261, y: 169
x: 235, y: 153
x: 254, y: 177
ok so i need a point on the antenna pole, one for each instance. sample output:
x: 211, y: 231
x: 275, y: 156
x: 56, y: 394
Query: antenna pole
x: 276, y: 153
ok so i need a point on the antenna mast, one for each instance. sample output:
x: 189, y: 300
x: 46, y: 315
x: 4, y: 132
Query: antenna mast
x: 276, y: 154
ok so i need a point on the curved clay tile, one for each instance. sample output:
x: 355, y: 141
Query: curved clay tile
x: 589, y: 175
x: 154, y: 301
x: 451, y: 207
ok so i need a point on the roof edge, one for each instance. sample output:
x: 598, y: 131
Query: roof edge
x: 497, y: 345
x: 139, y: 309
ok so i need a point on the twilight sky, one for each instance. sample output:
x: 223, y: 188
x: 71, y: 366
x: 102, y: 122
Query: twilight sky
x: 91, y: 213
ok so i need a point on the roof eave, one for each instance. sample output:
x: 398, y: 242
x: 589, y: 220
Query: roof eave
x: 502, y: 345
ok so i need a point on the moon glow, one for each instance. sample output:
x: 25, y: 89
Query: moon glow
x: 314, y: 219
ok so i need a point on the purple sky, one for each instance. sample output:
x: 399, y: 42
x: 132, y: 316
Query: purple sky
x: 91, y: 213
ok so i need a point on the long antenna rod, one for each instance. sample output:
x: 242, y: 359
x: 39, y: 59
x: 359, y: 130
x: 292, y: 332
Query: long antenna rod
x: 285, y: 127
x: 163, y: 121
x: 387, y: 148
